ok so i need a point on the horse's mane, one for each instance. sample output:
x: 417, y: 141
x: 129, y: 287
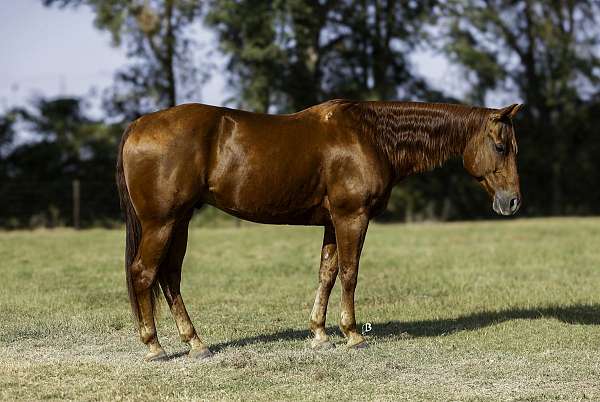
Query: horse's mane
x: 415, y: 134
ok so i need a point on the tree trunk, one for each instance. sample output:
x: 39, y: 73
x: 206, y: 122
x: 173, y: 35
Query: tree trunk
x: 556, y: 186
x: 170, y: 56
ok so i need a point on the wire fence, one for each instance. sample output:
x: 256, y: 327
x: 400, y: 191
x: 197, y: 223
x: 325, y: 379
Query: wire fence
x: 73, y: 203
x: 77, y: 203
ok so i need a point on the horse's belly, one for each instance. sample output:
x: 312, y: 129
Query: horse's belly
x: 317, y: 215
x: 274, y: 196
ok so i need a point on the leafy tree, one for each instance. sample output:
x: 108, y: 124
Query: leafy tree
x: 158, y: 37
x: 296, y: 53
x: 247, y: 34
x: 7, y: 129
x: 548, y: 53
x: 7, y: 134
x: 66, y: 145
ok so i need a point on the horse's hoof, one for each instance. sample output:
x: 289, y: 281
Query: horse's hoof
x: 200, y: 354
x: 360, y: 345
x: 321, y: 345
x: 157, y: 356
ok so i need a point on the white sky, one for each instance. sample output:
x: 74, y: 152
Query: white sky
x: 52, y: 51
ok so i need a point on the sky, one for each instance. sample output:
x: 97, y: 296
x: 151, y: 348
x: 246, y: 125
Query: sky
x: 56, y: 52
x: 53, y: 51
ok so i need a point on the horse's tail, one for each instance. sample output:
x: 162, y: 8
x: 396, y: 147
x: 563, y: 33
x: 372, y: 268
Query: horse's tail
x: 133, y: 228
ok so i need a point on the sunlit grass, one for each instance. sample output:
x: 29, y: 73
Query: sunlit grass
x: 491, y: 310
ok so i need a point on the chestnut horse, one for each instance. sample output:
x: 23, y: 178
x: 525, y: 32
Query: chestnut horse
x: 332, y: 165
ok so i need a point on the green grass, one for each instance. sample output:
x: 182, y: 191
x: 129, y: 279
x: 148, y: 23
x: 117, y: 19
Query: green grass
x: 503, y: 310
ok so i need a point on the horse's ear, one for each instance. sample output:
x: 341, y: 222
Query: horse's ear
x: 515, y: 110
x: 509, y: 111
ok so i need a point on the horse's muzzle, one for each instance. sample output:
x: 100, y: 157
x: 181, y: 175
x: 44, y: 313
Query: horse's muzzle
x: 506, y: 203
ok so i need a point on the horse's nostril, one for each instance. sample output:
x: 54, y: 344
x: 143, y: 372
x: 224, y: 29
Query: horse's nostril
x: 514, y: 204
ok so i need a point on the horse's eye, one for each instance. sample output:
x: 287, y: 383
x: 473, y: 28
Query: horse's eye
x: 500, y: 148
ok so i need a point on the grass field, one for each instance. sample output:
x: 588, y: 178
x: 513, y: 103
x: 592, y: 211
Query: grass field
x: 503, y: 310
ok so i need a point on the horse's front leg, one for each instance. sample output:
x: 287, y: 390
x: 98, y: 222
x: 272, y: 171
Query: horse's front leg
x: 350, y: 234
x: 327, y: 274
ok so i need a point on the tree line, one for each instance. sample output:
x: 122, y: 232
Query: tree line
x: 285, y: 55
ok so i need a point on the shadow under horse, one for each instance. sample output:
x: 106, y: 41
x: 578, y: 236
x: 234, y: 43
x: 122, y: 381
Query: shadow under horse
x: 577, y: 314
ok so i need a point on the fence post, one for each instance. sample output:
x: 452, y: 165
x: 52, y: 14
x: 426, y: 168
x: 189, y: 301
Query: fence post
x: 76, y: 203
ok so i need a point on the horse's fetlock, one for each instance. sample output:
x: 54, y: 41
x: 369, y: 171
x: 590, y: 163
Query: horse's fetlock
x: 147, y: 337
x: 187, y: 336
x: 347, y: 323
x: 345, y: 327
x: 314, y: 324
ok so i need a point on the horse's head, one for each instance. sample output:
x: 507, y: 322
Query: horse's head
x: 491, y: 157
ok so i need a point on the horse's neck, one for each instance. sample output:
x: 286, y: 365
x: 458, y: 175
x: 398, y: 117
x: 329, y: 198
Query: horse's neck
x: 419, y: 137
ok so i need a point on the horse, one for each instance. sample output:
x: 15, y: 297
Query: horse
x: 331, y: 165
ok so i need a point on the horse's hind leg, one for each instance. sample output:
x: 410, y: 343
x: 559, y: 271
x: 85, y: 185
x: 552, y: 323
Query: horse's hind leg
x: 154, y: 242
x: 327, y: 274
x: 169, y: 277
